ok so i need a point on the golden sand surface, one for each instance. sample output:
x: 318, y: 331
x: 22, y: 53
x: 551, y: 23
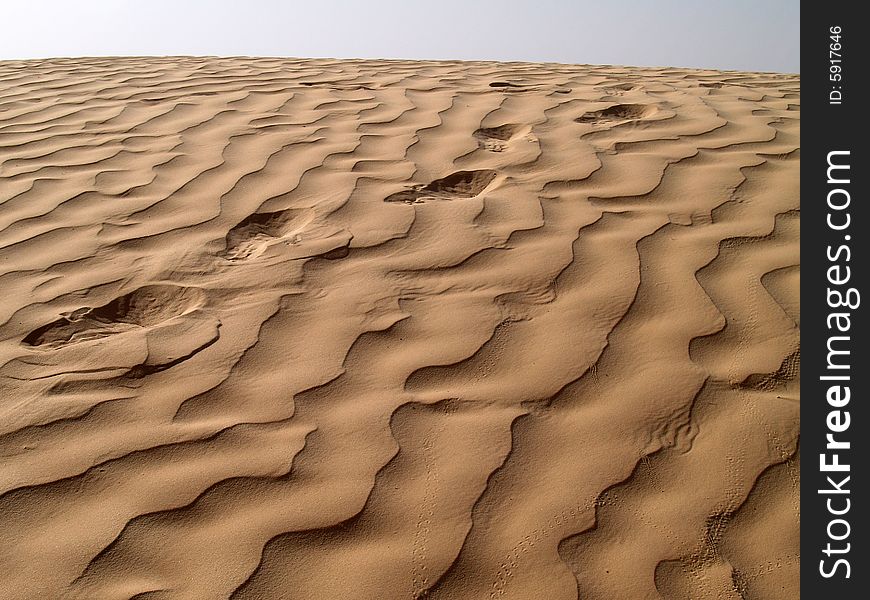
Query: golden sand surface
x: 347, y: 329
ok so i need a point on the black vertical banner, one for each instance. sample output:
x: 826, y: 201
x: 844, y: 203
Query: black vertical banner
x: 834, y: 418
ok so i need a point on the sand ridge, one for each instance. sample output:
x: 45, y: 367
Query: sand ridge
x: 278, y: 328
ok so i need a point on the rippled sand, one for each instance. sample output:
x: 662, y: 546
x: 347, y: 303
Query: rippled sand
x: 320, y: 329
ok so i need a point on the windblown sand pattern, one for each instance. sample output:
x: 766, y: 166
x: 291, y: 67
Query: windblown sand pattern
x: 395, y: 330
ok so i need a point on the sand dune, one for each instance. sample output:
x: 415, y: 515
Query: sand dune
x: 321, y: 329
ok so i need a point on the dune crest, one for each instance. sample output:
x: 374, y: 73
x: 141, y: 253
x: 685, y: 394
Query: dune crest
x: 325, y: 329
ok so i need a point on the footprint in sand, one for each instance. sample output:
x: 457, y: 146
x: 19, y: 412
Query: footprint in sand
x: 254, y: 234
x: 619, y: 89
x: 618, y: 113
x: 461, y: 184
x: 145, y: 307
x: 499, y: 139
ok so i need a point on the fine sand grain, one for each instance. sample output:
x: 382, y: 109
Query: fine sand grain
x: 375, y: 330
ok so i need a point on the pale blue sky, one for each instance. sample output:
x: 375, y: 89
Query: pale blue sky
x: 758, y: 35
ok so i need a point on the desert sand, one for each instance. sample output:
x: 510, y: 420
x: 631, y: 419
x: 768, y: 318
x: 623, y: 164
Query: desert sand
x: 322, y: 329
